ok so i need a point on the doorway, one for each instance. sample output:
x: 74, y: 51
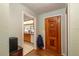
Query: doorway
x: 53, y: 33
x: 29, y: 30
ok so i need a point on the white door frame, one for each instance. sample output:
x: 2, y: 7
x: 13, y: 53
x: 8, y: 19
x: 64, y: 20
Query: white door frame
x: 65, y: 40
x: 35, y: 36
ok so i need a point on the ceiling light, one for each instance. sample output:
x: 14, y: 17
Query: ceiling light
x: 28, y: 22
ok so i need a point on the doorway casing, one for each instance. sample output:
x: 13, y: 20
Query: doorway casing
x: 29, y: 15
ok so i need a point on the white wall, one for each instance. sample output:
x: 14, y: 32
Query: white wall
x: 11, y: 19
x: 73, y: 29
x: 15, y: 22
x: 4, y: 17
x: 41, y: 27
x: 17, y: 12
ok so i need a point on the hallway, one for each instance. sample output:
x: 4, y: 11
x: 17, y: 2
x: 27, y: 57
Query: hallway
x: 40, y: 52
x: 15, y: 16
x: 27, y: 47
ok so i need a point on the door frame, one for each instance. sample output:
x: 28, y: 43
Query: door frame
x: 35, y: 22
x: 59, y: 30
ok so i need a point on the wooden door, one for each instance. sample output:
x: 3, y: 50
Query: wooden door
x: 53, y: 33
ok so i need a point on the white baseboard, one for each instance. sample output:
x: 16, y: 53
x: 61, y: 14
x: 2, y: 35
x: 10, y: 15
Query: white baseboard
x: 63, y: 54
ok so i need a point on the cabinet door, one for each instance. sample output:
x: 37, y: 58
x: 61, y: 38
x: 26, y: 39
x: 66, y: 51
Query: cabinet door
x: 27, y: 37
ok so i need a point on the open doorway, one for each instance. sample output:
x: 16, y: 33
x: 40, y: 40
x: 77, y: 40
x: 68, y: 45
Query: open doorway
x: 28, y: 45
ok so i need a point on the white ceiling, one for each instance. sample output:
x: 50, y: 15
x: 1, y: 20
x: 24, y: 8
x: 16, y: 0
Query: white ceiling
x: 40, y: 8
x: 27, y: 18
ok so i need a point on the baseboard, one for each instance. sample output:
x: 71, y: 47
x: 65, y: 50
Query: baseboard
x: 63, y: 54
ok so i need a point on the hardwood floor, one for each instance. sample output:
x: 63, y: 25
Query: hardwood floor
x: 42, y: 52
x: 27, y: 47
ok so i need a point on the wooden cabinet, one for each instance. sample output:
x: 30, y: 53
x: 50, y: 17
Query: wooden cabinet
x: 18, y: 52
x: 27, y: 37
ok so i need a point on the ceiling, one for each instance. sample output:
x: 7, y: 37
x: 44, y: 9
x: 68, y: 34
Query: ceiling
x: 40, y: 8
x: 26, y: 18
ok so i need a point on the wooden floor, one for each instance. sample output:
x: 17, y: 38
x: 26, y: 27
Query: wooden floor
x: 41, y: 52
